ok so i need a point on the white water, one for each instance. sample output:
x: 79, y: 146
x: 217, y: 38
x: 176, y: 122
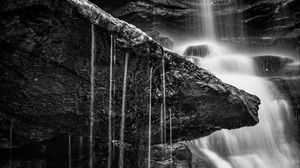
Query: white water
x: 269, y: 144
x: 207, y: 13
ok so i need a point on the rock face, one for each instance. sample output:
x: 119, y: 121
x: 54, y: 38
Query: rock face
x: 270, y: 65
x: 177, y: 155
x: 45, y: 87
x: 199, y: 50
x: 261, y: 17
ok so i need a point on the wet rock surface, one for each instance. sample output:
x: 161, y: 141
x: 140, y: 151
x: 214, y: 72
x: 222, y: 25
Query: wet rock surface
x: 198, y: 51
x: 261, y: 17
x: 176, y: 155
x: 267, y: 65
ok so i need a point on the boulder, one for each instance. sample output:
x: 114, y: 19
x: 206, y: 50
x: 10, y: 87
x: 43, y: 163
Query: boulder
x: 267, y: 65
x: 198, y: 51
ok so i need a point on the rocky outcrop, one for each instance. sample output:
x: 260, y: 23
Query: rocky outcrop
x: 45, y: 87
x: 267, y: 65
x: 198, y: 50
x: 176, y: 155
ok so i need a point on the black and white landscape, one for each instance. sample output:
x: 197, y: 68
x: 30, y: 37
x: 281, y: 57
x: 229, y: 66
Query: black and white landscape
x: 149, y: 83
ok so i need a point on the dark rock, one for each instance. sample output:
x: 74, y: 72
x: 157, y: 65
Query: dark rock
x: 199, y: 50
x: 167, y: 156
x: 289, y: 88
x: 162, y: 156
x: 162, y: 40
x: 200, y: 160
x: 267, y: 65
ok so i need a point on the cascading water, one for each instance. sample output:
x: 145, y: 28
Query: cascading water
x: 269, y: 144
x: 207, y: 13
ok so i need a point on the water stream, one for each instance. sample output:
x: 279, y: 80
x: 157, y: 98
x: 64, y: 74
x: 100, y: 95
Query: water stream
x: 122, y: 132
x: 269, y: 144
x: 164, y: 100
x: 109, y: 159
x: 70, y: 151
x: 92, y: 95
x: 80, y: 149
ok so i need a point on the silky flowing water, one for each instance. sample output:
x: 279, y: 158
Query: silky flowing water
x: 150, y: 118
x: 109, y: 159
x: 92, y: 95
x: 269, y: 144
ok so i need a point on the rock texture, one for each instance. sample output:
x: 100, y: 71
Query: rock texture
x: 45, y: 88
x: 268, y: 65
x: 198, y: 50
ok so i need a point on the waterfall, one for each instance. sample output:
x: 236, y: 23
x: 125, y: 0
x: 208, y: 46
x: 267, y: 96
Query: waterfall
x: 121, y: 154
x: 269, y: 144
x: 208, y: 17
x: 92, y: 78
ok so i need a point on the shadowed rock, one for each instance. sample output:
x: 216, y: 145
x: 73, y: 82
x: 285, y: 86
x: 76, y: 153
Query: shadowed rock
x: 199, y: 50
x: 270, y: 65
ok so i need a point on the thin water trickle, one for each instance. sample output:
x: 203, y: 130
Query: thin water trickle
x: 161, y: 123
x: 149, y: 120
x: 109, y: 159
x: 10, y: 143
x: 121, y: 154
x: 80, y: 149
x: 92, y: 80
x: 171, y: 143
x: 70, y: 151
x: 164, y: 99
